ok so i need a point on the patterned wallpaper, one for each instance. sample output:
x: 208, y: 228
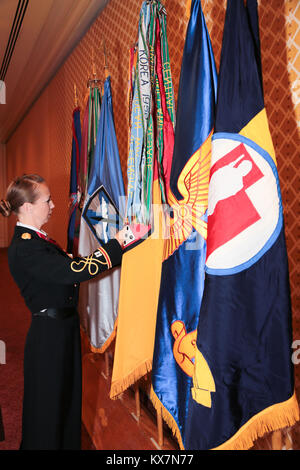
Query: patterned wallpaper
x: 42, y: 142
x: 3, y: 221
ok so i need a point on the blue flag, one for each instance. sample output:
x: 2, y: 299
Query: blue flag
x: 102, y: 217
x: 243, y: 383
x: 75, y: 156
x: 182, y: 275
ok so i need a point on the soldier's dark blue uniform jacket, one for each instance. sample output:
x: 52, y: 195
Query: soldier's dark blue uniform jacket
x: 47, y: 276
x: 49, y: 282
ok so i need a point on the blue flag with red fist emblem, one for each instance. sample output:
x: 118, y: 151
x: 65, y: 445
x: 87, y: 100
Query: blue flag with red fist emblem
x: 182, y: 276
x: 243, y: 383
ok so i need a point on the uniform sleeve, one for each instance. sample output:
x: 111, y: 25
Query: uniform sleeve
x: 43, y: 261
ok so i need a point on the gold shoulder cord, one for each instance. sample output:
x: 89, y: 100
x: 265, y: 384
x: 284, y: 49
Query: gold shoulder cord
x: 92, y: 262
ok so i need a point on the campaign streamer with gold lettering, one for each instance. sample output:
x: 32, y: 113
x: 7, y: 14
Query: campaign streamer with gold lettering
x: 141, y: 266
x: 140, y: 115
x: 182, y: 276
x: 145, y: 98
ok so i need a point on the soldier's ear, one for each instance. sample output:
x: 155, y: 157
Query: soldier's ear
x: 26, y: 208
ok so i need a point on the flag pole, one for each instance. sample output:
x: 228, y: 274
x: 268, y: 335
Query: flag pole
x: 75, y: 96
x: 276, y: 440
x: 93, y: 63
x: 159, y: 427
x: 105, y: 59
x: 137, y: 401
x: 106, y: 363
x: 94, y: 82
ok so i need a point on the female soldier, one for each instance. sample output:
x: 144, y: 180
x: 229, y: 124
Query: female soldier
x: 49, y: 283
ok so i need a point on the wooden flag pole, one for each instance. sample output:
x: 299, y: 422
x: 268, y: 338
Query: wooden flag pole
x: 75, y: 96
x: 137, y: 401
x: 93, y: 63
x: 106, y: 364
x: 106, y: 71
x: 160, y: 427
x: 287, y: 440
x: 276, y: 440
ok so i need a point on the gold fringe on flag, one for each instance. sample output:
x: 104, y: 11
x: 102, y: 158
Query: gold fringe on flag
x: 273, y: 418
x: 107, y: 343
x: 119, y: 387
x: 167, y: 417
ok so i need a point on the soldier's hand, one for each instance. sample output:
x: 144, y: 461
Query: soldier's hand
x: 120, y: 236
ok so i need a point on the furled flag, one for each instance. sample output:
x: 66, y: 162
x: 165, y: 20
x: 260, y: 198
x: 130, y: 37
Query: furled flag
x: 182, y: 275
x: 72, y: 246
x: 102, y: 216
x: 151, y: 149
x: 243, y: 384
x: 88, y: 142
x: 94, y: 114
x: 82, y: 173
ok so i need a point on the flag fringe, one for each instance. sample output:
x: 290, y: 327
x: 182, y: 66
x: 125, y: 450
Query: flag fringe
x: 167, y: 417
x: 271, y: 419
x: 120, y: 386
x: 107, y: 343
x: 275, y: 417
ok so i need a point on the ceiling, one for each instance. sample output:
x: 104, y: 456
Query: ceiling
x: 35, y: 39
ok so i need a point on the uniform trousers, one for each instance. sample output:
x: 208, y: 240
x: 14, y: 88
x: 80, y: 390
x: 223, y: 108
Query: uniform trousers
x: 52, y: 385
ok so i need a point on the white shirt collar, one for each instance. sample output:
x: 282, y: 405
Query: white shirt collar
x: 32, y: 228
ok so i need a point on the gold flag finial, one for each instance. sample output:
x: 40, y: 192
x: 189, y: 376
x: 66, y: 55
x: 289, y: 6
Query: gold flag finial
x: 93, y: 63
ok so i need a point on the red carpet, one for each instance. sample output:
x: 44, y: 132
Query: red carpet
x: 14, y: 324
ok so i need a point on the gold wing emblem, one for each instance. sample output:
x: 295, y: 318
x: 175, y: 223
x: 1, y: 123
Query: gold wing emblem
x: 193, y: 185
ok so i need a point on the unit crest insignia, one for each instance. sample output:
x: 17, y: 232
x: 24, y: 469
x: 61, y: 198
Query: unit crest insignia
x: 26, y: 236
x: 101, y: 215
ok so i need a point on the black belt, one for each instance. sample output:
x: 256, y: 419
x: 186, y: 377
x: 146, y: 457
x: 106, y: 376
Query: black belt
x: 59, y: 313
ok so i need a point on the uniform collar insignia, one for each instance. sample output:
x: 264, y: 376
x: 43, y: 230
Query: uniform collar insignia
x: 26, y: 236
